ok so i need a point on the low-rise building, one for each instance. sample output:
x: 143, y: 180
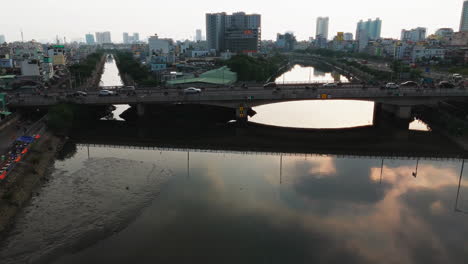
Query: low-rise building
x: 30, y: 68
x: 159, y: 46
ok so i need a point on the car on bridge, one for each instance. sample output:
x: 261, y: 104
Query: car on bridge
x: 270, y: 85
x: 106, y: 93
x: 192, y: 90
x: 409, y: 84
x: 330, y: 85
x: 392, y: 86
x: 80, y: 94
x: 445, y: 84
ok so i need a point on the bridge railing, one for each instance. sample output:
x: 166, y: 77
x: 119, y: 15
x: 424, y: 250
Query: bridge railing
x: 353, y: 155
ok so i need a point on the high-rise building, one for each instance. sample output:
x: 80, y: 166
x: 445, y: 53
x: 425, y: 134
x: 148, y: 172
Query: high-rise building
x: 414, y: 35
x: 464, y: 17
x: 286, y: 41
x: 363, y: 39
x: 372, y: 28
x: 239, y: 32
x: 126, y: 39
x: 348, y: 36
x: 321, y: 30
x: 90, y: 39
x: 215, y: 27
x: 136, y: 37
x: 2, y: 39
x: 198, y: 35
x: 103, y: 37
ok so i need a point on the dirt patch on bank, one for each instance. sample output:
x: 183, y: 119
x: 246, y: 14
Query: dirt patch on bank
x: 18, y: 188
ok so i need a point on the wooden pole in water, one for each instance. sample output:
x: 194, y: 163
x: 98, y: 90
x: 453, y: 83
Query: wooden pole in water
x: 459, y: 185
x: 381, y: 171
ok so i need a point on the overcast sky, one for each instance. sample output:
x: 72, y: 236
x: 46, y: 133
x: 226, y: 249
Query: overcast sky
x: 44, y: 19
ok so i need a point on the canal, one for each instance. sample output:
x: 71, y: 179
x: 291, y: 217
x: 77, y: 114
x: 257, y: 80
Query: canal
x: 319, y: 114
x: 109, y: 204
x: 111, y: 78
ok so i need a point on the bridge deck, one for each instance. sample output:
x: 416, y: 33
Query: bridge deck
x: 252, y: 96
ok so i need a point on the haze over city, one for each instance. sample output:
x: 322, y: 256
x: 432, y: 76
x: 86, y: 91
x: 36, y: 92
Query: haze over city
x: 71, y: 19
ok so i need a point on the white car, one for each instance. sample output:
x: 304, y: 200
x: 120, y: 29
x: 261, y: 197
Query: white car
x: 192, y: 90
x: 392, y: 86
x: 106, y: 93
x: 330, y: 85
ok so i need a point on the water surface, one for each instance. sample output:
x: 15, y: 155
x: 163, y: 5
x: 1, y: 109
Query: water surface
x: 230, y: 207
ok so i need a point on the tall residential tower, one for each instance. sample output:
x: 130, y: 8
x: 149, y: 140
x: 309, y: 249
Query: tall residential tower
x: 370, y: 27
x: 103, y: 37
x: 239, y: 32
x: 464, y: 17
x: 90, y: 39
x: 198, y: 35
x: 321, y: 30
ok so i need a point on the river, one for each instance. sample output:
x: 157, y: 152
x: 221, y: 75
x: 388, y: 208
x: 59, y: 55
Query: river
x: 110, y: 204
x: 111, y: 78
x: 319, y: 114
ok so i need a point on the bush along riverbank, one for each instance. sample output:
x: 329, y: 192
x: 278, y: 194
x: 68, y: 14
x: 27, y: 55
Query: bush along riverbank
x: 133, y: 72
x: 255, y: 69
x: 22, y: 181
x: 88, y: 72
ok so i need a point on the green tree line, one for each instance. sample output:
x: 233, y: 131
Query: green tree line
x: 128, y: 65
x: 85, y: 68
x: 257, y: 69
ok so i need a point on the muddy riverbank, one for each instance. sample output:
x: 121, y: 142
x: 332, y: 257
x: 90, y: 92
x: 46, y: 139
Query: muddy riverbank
x: 22, y: 182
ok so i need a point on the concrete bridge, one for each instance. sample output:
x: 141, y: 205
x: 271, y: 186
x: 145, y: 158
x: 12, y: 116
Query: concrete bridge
x: 398, y: 102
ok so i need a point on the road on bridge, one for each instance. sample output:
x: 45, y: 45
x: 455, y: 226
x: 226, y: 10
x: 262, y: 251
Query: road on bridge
x: 252, y: 96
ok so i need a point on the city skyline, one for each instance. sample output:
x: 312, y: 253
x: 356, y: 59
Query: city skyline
x: 300, y: 19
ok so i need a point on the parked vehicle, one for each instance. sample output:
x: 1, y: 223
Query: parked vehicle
x: 270, y: 85
x: 106, y: 93
x: 192, y: 90
x: 330, y: 85
x: 445, y: 84
x: 391, y: 86
x: 409, y: 84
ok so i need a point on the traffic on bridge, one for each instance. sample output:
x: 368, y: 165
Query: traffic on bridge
x: 252, y: 96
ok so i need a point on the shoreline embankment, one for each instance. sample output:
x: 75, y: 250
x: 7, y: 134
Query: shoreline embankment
x: 26, y: 177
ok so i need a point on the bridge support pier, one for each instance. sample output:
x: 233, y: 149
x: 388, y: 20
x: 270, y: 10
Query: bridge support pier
x: 140, y: 110
x: 242, y: 113
x: 392, y: 116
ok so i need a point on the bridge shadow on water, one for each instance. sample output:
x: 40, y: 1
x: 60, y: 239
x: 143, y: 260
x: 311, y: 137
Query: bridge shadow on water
x: 256, y: 138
